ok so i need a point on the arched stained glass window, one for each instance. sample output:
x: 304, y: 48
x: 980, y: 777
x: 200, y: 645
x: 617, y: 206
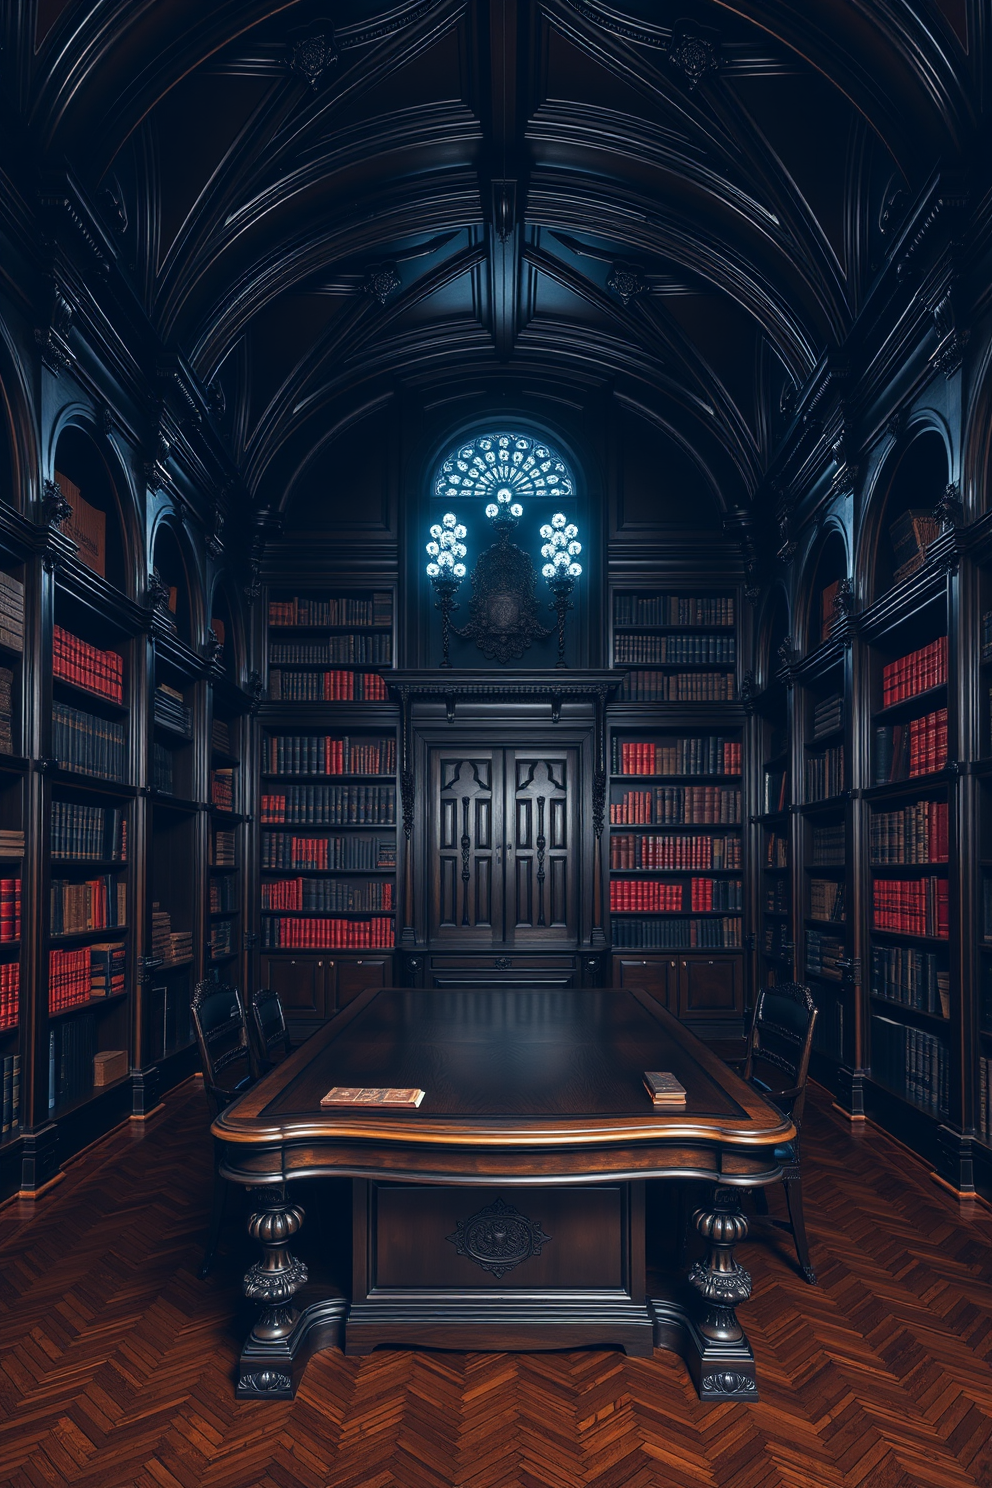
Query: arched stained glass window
x: 490, y: 463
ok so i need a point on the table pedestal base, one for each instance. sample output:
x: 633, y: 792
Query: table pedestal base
x: 272, y: 1371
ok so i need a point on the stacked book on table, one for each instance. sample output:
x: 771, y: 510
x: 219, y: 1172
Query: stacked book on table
x: 666, y: 1093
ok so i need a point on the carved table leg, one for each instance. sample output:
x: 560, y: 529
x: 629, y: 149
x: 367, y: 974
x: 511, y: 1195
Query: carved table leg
x: 726, y: 1362
x: 273, y: 1281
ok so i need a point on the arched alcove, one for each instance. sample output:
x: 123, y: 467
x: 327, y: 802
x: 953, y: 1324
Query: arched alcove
x: 825, y: 571
x: 84, y: 475
x: 905, y: 497
x: 168, y: 563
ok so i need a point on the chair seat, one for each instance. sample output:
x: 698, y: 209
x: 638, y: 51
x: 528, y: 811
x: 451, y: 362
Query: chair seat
x: 785, y: 1153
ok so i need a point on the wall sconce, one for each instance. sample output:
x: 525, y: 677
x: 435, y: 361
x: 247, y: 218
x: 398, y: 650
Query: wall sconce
x: 446, y: 569
x: 561, y: 549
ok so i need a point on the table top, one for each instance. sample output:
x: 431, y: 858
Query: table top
x: 524, y: 1082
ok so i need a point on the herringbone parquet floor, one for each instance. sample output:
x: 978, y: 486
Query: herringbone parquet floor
x: 116, y: 1362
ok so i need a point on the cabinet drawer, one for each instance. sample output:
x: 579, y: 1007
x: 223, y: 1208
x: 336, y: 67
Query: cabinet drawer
x: 656, y: 975
x: 710, y: 987
x: 354, y: 976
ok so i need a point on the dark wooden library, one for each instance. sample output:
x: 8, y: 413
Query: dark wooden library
x: 496, y: 743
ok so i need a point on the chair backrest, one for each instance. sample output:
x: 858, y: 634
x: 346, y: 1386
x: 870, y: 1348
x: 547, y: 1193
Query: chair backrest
x: 267, y: 1025
x: 780, y: 1039
x: 222, y: 1036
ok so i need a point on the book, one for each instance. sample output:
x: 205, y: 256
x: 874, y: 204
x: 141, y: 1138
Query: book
x: 322, y: 754
x: 673, y: 609
x: 678, y: 687
x: 911, y: 534
x: 705, y: 805
x: 88, y: 745
x: 316, y: 934
x: 86, y: 666
x: 631, y: 649
x: 357, y: 1095
x: 326, y: 687
x: 316, y: 611
x: 87, y: 526
x: 663, y: 1088
x: 919, y: 671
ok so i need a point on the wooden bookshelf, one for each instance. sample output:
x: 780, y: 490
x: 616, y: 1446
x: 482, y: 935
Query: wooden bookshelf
x: 675, y: 791
x: 907, y: 905
x: 328, y: 792
x: 824, y: 828
x: 676, y: 647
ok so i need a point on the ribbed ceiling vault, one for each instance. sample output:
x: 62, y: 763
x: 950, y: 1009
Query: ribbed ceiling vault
x: 689, y: 195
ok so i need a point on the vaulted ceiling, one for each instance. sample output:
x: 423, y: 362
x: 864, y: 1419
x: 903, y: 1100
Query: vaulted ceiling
x: 692, y: 197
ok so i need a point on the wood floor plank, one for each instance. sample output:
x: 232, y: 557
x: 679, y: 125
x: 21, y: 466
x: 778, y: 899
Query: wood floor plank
x: 116, y: 1362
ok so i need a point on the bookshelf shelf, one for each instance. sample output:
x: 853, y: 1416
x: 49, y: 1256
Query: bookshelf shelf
x: 918, y: 703
x: 95, y: 1004
x: 78, y: 937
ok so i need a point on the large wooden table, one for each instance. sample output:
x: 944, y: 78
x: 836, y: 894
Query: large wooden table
x: 517, y: 1207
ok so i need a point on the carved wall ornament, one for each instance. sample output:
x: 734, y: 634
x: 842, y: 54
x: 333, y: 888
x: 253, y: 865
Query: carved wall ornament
x: 215, y: 532
x: 498, y: 1238
x: 951, y: 339
x: 312, y: 56
x: 749, y: 691
x: 381, y: 281
x: 949, y: 511
x: 213, y: 648
x: 626, y: 280
x: 503, y: 607
x: 844, y: 600
x: 55, y: 508
x: 788, y: 546
x: 255, y: 691
x: 53, y: 339
x: 693, y: 54
x: 787, y: 651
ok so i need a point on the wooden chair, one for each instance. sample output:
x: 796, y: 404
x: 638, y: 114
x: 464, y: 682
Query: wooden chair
x: 778, y: 1045
x: 225, y: 1053
x: 267, y: 1028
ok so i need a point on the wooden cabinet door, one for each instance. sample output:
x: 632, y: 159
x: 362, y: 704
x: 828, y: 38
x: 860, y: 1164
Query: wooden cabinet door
x: 466, y: 877
x: 541, y: 853
x: 656, y: 975
x: 305, y: 987
x: 710, y: 987
x: 354, y: 976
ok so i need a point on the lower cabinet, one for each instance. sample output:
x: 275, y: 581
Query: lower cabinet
x: 313, y: 987
x: 703, y: 989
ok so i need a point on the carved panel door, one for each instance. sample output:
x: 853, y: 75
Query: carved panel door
x: 541, y: 850
x: 466, y: 852
x: 503, y: 847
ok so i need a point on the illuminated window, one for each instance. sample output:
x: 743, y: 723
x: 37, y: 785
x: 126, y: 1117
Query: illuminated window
x: 492, y: 465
